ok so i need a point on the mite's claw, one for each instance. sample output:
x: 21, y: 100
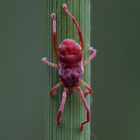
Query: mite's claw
x: 45, y: 60
x: 89, y: 92
x: 53, y: 15
x: 92, y: 50
x: 64, y: 6
x: 81, y: 127
x: 58, y: 117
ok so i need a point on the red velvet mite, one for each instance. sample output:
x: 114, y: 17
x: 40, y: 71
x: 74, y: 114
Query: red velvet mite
x: 69, y: 56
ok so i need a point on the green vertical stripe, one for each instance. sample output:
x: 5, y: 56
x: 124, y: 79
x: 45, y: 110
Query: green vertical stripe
x: 74, y: 112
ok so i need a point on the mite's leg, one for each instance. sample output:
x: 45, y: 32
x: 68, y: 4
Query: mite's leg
x: 46, y: 61
x: 53, y: 15
x: 76, y: 25
x: 93, y: 54
x: 86, y: 86
x: 61, y: 106
x: 55, y: 88
x: 86, y: 107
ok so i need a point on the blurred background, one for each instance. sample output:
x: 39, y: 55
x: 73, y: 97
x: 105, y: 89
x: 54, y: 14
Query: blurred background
x: 116, y: 78
x: 115, y: 71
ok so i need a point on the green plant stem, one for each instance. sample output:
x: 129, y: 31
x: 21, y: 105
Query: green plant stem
x: 74, y: 113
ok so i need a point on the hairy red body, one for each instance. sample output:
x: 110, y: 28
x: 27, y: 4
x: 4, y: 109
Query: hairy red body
x: 70, y: 65
x: 70, y: 61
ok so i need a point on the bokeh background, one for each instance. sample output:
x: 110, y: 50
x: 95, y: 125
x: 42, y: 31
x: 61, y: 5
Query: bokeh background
x: 115, y: 78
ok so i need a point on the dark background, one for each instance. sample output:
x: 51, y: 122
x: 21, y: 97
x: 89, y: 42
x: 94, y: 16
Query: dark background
x: 115, y: 78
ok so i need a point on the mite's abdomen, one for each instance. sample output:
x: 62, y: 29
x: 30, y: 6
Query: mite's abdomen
x: 71, y: 75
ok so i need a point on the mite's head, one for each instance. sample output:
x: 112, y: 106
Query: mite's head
x: 70, y: 51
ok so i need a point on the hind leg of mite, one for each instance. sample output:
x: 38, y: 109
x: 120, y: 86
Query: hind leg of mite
x: 55, y: 88
x: 61, y: 108
x: 87, y: 87
x: 86, y: 107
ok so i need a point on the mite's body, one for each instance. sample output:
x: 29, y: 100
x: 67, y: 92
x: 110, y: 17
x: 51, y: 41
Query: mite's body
x: 70, y: 64
x: 70, y: 61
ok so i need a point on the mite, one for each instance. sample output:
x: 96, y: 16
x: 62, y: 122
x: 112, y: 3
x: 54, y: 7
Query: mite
x: 70, y: 65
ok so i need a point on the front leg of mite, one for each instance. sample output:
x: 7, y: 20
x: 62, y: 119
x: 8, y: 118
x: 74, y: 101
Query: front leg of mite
x: 61, y: 108
x: 76, y: 25
x: 86, y: 107
x: 93, y: 54
x: 46, y: 61
x: 53, y: 15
